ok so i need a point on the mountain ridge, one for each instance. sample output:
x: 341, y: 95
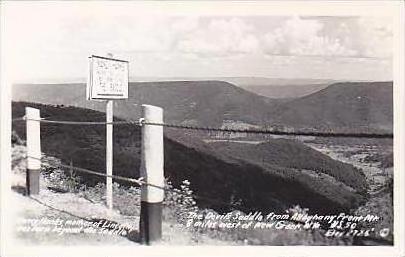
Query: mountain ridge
x: 211, y: 175
x: 353, y: 106
x: 214, y: 103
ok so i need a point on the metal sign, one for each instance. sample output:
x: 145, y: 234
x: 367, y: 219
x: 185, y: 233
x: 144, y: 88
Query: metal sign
x: 108, y: 78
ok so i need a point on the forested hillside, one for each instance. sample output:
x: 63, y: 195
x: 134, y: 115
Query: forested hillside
x: 211, y: 173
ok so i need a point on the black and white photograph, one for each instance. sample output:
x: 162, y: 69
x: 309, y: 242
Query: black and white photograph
x: 210, y: 124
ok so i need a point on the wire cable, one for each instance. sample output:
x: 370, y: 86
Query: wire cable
x: 139, y: 182
x: 142, y: 122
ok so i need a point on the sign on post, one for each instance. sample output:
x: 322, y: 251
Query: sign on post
x: 108, y: 80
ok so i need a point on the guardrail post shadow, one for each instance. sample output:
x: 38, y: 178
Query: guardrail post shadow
x: 33, y: 150
x: 152, y: 159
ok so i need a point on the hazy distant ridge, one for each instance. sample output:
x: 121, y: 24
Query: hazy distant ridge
x: 342, y: 106
x: 350, y: 106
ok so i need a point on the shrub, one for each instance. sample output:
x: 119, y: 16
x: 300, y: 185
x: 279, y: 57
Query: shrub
x: 178, y: 202
x: 69, y: 182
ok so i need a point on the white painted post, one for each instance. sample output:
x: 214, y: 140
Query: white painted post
x: 33, y: 150
x: 152, y: 160
x: 109, y: 153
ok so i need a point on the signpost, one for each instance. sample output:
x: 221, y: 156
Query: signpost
x: 108, y: 80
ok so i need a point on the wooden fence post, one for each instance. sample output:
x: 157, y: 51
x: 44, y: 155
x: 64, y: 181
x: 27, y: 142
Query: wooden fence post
x: 152, y: 171
x: 33, y: 150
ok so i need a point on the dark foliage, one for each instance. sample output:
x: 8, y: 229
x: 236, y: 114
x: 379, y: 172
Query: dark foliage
x: 293, y: 154
x: 211, y: 174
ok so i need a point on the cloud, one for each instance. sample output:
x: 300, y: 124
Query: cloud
x: 298, y: 36
x: 220, y: 37
x: 185, y: 24
x: 55, y: 42
x: 375, y: 36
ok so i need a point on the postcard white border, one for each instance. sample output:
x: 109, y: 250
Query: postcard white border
x: 324, y: 8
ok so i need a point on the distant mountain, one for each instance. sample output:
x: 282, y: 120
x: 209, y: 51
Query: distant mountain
x: 273, y: 183
x: 238, y: 81
x: 264, y: 81
x: 361, y: 106
x: 206, y: 103
x: 341, y: 106
x: 285, y: 91
x: 279, y: 87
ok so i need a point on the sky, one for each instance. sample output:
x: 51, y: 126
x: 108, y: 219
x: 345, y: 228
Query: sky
x: 45, y: 41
